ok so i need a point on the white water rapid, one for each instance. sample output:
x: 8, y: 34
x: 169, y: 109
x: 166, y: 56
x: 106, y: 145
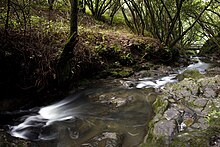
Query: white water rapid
x: 159, y: 82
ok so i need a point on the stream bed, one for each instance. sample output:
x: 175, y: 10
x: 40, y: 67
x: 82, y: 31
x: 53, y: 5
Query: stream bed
x: 111, y: 113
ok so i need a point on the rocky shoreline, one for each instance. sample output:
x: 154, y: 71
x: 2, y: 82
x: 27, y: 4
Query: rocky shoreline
x: 187, y: 114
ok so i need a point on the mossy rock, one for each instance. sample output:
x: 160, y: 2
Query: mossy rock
x: 194, y: 74
x: 121, y: 72
x: 197, y: 138
x: 117, y: 72
x: 160, y: 105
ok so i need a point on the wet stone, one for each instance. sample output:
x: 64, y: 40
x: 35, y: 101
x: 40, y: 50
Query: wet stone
x: 182, y: 93
x: 216, y: 102
x: 128, y: 84
x: 198, y: 110
x: 112, y: 100
x: 171, y: 114
x: 201, y: 125
x: 105, y: 139
x: 200, y: 102
x: 208, y: 108
x: 171, y: 100
x: 209, y: 92
x: 164, y: 128
x: 191, y: 100
x: 213, y: 71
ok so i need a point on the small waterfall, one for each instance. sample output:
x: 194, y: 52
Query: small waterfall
x: 32, y: 124
x: 199, y: 65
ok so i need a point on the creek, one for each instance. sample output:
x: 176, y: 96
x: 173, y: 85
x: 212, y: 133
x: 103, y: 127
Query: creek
x: 114, y: 110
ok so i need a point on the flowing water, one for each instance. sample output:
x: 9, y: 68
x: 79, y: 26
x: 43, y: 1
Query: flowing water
x: 111, y: 108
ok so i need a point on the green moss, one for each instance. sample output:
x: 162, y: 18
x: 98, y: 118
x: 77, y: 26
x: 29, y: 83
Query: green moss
x: 126, y: 59
x: 160, y: 105
x: 116, y: 48
x: 91, y: 37
x: 191, y: 52
x: 152, y: 141
x: 118, y: 72
x: 195, y: 138
x: 214, y: 118
x: 195, y: 74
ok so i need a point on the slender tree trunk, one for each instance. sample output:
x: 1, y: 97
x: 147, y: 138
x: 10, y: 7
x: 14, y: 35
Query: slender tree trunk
x: 7, y: 18
x: 174, y: 20
x: 64, y: 65
x: 190, y: 27
x: 73, y: 17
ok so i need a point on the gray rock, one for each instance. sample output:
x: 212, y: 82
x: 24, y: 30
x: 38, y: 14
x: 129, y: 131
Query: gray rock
x: 208, y: 108
x: 106, y: 139
x: 202, y: 124
x: 164, y: 128
x: 200, y: 102
x: 171, y: 114
x: 216, y: 102
x: 190, y: 102
x: 209, y: 92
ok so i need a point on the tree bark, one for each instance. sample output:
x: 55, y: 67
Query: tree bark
x: 64, y: 65
x: 64, y: 68
x: 7, y: 18
x: 73, y: 17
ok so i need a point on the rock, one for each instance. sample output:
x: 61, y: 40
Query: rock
x: 212, y: 82
x: 200, y: 102
x: 203, y: 123
x: 190, y: 107
x: 171, y: 114
x: 188, y: 118
x: 164, y: 129
x: 8, y: 141
x: 208, y: 108
x: 213, y: 71
x: 160, y: 105
x: 195, y: 74
x: 105, y: 139
x: 209, y: 92
x: 216, y: 102
x: 114, y: 99
x: 185, y: 88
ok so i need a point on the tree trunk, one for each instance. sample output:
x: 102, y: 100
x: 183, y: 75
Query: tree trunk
x: 64, y: 65
x: 64, y: 68
x: 73, y: 17
x: 172, y: 44
x: 7, y: 17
